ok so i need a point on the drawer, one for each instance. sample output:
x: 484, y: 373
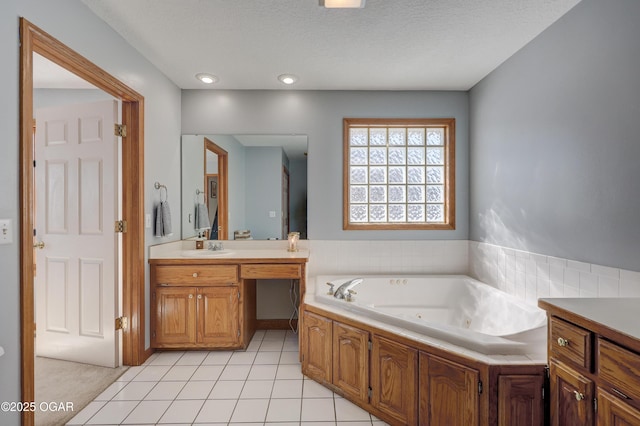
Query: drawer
x: 196, y: 275
x: 620, y: 368
x: 570, y: 343
x: 268, y: 271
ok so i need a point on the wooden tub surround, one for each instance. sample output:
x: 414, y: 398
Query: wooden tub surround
x: 594, y: 361
x: 408, y: 382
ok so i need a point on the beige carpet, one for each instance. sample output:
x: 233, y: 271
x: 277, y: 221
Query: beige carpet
x: 63, y: 381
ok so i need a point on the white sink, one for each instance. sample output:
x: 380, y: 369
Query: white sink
x: 205, y: 253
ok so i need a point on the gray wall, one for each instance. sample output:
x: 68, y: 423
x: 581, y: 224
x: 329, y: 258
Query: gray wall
x: 554, y: 141
x: 319, y: 115
x: 264, y: 191
x: 76, y: 26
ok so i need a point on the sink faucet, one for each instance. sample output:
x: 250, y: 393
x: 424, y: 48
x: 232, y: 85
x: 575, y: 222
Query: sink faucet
x: 215, y: 246
x: 343, y: 290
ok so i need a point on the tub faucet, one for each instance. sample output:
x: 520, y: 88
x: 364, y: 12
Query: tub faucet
x: 343, y: 291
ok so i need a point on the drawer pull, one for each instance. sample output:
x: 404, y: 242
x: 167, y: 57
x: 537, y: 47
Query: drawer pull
x: 563, y: 342
x: 579, y: 395
x: 620, y: 394
x: 195, y: 275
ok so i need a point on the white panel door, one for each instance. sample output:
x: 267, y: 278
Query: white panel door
x: 76, y: 207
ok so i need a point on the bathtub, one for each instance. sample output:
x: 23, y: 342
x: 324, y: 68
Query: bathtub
x: 453, y: 308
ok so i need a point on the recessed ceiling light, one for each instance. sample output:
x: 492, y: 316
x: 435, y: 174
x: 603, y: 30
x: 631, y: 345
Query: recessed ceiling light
x: 342, y: 4
x: 287, y: 79
x: 206, y: 78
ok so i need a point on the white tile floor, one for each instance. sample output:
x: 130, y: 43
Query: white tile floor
x: 261, y: 386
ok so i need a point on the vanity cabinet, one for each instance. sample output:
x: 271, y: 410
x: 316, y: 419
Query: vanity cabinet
x: 614, y: 411
x: 594, y: 369
x: 199, y: 306
x: 198, y: 316
x: 572, y: 395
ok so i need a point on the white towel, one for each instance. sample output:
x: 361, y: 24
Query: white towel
x: 202, y: 217
x: 163, y: 220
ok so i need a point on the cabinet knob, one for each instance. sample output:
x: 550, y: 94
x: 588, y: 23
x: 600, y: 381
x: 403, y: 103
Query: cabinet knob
x: 563, y: 342
x: 199, y: 296
x: 579, y: 395
x: 195, y: 275
x: 191, y: 296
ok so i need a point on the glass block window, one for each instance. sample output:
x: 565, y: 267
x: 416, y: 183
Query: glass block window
x: 399, y: 173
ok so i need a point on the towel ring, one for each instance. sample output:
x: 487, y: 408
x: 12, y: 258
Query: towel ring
x: 159, y: 186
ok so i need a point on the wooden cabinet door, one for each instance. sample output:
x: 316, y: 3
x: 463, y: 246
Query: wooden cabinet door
x: 175, y: 316
x: 351, y: 361
x: 316, y: 347
x: 218, y: 316
x: 571, y: 396
x: 448, y: 392
x: 520, y: 400
x: 394, y: 380
x: 613, y: 411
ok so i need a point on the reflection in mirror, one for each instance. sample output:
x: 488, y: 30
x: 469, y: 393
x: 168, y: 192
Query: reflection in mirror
x: 243, y: 186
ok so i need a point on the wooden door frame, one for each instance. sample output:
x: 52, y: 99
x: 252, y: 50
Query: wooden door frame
x: 285, y: 171
x: 34, y: 40
x: 223, y: 179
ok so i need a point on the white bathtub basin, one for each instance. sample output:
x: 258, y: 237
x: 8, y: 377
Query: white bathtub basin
x: 453, y: 308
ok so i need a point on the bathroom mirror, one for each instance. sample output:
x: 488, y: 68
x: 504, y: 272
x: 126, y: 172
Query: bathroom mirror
x: 244, y: 182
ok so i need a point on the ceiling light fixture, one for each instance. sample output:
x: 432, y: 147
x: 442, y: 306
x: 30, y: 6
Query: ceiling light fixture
x: 287, y: 79
x: 342, y: 4
x: 207, y: 78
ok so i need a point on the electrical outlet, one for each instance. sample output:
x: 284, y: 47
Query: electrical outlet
x: 6, y: 231
x: 272, y: 213
x: 147, y: 221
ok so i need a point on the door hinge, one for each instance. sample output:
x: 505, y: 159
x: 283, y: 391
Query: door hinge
x: 595, y: 405
x: 370, y: 393
x: 370, y: 345
x: 120, y: 226
x: 122, y: 323
x: 120, y: 130
x: 238, y: 332
x: 480, y: 387
x: 543, y: 392
x: 238, y: 294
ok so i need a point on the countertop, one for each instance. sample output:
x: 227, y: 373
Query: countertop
x: 615, y: 316
x: 237, y: 250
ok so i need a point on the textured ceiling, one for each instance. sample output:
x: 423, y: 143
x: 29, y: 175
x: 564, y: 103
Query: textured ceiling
x: 388, y: 45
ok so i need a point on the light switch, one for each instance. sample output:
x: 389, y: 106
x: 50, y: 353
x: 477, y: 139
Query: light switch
x: 6, y: 231
x: 272, y: 213
x: 147, y: 221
